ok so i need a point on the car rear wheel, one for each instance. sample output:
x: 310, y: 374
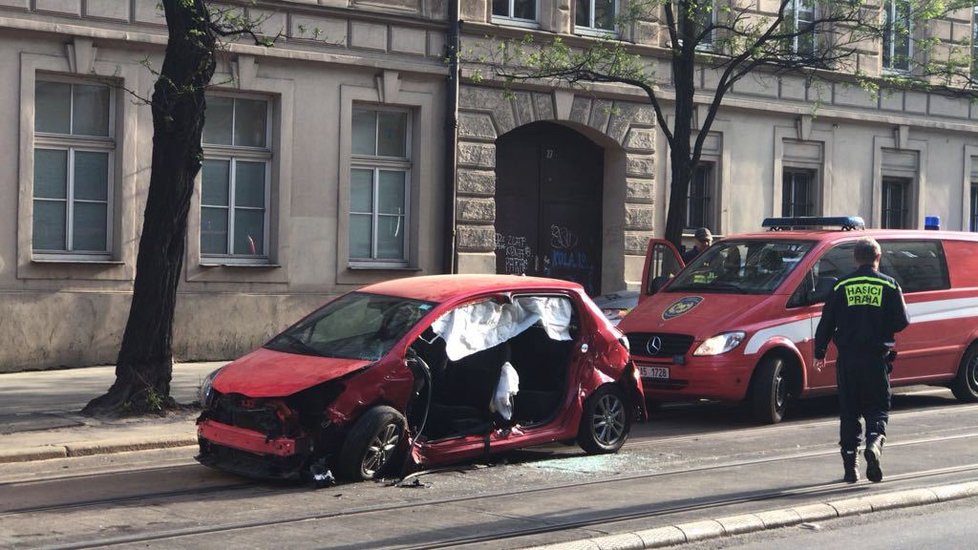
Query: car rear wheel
x: 605, y: 421
x: 374, y: 445
x: 769, y: 391
x: 965, y: 385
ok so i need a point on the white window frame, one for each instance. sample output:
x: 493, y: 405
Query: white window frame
x: 590, y: 29
x: 510, y: 20
x: 234, y: 154
x: 797, y: 9
x: 890, y: 8
x: 973, y: 212
x: 376, y: 164
x: 73, y: 143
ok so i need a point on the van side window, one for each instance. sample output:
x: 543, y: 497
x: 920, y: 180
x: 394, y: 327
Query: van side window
x: 917, y: 265
x: 837, y: 262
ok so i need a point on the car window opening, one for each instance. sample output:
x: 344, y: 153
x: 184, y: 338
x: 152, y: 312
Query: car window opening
x: 480, y: 354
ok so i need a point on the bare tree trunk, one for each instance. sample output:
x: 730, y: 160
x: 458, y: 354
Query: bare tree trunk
x: 145, y: 364
x: 684, y: 69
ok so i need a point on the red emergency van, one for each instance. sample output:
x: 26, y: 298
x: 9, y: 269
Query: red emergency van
x: 738, y: 323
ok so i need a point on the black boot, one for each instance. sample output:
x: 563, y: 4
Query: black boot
x: 874, y: 454
x: 850, y: 461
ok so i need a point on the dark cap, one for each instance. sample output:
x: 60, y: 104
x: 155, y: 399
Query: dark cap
x: 703, y: 234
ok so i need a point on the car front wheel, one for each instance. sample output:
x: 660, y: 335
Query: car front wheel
x: 605, y: 422
x: 373, y: 446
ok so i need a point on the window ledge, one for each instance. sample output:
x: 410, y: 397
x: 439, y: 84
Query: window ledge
x: 513, y: 22
x: 592, y: 32
x: 235, y: 264
x: 68, y: 260
x: 381, y: 267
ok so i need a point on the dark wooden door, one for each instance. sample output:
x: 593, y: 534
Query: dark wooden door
x: 548, y: 204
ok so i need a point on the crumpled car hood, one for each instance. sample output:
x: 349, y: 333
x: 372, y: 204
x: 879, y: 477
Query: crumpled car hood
x: 269, y: 373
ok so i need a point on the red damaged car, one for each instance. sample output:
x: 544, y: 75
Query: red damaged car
x: 421, y: 371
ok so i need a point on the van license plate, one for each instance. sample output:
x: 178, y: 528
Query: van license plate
x: 654, y: 372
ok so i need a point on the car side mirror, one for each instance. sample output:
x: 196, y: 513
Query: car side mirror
x: 823, y: 289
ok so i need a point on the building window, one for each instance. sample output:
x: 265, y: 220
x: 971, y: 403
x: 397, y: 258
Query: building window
x: 524, y: 10
x: 73, y: 159
x: 595, y: 15
x: 379, y: 185
x: 802, y: 18
x: 896, y: 193
x: 702, y: 16
x: 974, y: 207
x: 896, y: 35
x: 235, y: 178
x: 699, y: 211
x: 797, y: 193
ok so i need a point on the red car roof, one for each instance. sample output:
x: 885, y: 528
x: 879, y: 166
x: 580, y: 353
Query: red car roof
x: 439, y: 288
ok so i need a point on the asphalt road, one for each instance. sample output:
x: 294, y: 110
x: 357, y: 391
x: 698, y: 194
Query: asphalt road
x: 690, y: 463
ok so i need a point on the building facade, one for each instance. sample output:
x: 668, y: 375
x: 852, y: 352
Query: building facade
x: 325, y: 164
x: 351, y: 92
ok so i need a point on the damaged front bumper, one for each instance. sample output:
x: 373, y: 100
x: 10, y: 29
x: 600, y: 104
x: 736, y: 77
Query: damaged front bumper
x: 250, y: 453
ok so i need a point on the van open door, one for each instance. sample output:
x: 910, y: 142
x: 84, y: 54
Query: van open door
x: 662, y: 262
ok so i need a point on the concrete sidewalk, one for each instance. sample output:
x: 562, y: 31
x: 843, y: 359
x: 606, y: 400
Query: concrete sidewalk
x: 39, y: 414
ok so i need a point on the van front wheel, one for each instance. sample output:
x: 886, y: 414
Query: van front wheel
x: 769, y: 391
x: 965, y: 385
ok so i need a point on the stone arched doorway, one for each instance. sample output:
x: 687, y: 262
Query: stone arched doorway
x: 549, y: 204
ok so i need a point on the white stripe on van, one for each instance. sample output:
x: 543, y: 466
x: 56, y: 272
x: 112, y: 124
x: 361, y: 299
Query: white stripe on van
x: 942, y: 310
x: 796, y: 331
x: 923, y: 312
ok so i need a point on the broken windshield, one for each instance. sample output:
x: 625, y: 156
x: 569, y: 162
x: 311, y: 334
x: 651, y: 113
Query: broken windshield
x: 353, y: 326
x: 741, y: 267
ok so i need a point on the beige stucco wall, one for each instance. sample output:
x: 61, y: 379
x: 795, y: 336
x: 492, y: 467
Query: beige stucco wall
x: 72, y: 314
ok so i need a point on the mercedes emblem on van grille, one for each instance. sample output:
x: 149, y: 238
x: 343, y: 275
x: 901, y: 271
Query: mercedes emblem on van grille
x: 654, y: 345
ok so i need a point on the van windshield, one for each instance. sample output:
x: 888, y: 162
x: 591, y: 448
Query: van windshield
x: 741, y: 267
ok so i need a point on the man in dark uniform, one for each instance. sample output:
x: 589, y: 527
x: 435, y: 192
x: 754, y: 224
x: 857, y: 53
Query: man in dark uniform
x: 862, y: 315
x: 703, y: 241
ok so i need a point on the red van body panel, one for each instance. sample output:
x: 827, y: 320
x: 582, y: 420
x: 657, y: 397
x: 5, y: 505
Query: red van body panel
x: 944, y: 323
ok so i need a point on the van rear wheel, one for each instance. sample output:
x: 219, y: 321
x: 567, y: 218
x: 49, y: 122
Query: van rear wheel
x: 769, y: 391
x: 965, y: 384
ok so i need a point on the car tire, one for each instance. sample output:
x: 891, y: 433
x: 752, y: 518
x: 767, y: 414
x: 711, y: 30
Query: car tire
x: 769, y: 391
x: 605, y: 421
x: 374, y: 445
x: 965, y: 384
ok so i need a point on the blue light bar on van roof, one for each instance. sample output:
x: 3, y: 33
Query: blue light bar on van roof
x: 846, y: 223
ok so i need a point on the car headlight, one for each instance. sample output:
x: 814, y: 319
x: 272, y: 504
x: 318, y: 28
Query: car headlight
x: 721, y: 343
x: 206, y: 388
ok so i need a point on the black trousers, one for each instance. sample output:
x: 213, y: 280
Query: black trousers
x: 864, y: 391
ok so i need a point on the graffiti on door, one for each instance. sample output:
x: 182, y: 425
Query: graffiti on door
x: 568, y: 260
x: 516, y: 253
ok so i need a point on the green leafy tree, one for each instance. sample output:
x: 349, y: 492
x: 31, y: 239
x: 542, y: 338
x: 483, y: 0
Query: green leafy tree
x: 821, y: 40
x: 144, y: 367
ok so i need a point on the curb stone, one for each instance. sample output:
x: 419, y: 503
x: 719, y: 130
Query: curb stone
x: 89, y: 448
x: 734, y: 525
